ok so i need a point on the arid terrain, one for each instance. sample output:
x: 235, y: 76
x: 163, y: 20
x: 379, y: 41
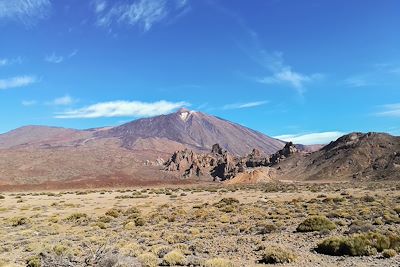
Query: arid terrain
x: 336, y: 224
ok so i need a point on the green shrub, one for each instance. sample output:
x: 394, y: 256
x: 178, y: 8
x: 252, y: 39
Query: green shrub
x: 104, y: 219
x: 397, y: 210
x: 368, y: 198
x: 160, y: 250
x: 139, y: 221
x: 218, y: 262
x: 389, y: 253
x: 265, y: 228
x: 316, y: 223
x: 129, y: 225
x: 131, y: 210
x: 59, y: 249
x: 274, y: 255
x: 113, y: 212
x: 76, y: 216
x: 33, y: 262
x: 148, y: 259
x: 17, y: 221
x: 359, y: 244
x: 173, y: 258
x: 227, y: 201
x: 351, y: 246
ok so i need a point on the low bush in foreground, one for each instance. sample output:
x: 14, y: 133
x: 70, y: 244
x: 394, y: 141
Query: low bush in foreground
x: 218, y: 262
x: 17, y: 221
x: 148, y: 259
x: 275, y: 255
x: 359, y: 244
x: 316, y: 223
x: 174, y: 258
x: 389, y: 253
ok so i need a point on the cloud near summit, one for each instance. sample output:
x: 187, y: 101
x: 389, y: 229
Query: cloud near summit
x: 122, y: 108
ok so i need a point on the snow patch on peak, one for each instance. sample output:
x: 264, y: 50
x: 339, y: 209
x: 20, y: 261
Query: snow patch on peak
x: 184, y: 115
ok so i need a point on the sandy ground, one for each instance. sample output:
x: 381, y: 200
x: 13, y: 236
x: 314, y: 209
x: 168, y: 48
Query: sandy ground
x: 170, y: 213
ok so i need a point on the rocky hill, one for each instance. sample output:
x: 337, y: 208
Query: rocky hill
x: 356, y: 156
x: 221, y: 165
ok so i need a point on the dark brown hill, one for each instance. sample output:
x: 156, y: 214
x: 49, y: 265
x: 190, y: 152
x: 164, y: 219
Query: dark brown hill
x: 356, y: 156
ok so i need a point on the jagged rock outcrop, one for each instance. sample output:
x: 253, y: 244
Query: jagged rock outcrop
x: 221, y: 165
x: 216, y: 149
x: 284, y: 153
x: 256, y: 159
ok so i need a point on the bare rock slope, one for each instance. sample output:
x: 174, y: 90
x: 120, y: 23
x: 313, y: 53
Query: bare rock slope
x: 195, y: 130
x: 356, y: 156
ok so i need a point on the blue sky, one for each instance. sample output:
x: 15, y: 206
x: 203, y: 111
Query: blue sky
x: 302, y: 70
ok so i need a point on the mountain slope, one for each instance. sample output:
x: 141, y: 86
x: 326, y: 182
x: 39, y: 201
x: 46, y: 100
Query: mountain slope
x: 39, y: 135
x: 43, y: 155
x: 194, y: 130
x: 371, y: 156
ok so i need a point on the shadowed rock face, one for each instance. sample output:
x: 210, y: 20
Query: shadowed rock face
x: 356, y: 156
x: 221, y: 165
x: 196, y: 131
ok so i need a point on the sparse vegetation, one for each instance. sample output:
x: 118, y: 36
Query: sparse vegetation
x: 218, y: 262
x: 174, y: 258
x: 358, y: 244
x: 76, y: 216
x: 208, y: 227
x: 273, y: 255
x: 148, y: 260
x: 18, y: 221
x: 316, y: 223
x: 389, y: 253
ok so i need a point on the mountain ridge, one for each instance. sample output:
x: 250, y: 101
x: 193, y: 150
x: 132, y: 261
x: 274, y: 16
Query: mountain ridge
x: 45, y: 154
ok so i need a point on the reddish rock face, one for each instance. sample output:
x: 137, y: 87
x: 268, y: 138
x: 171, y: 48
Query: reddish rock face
x: 220, y: 164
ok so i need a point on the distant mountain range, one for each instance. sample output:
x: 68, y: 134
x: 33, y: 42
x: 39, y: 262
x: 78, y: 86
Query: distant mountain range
x: 133, y: 153
x: 165, y: 133
x: 37, y: 154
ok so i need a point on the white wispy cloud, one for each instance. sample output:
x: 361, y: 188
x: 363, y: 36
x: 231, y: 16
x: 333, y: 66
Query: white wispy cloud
x: 395, y: 70
x: 282, y: 73
x: 7, y: 61
x: 245, y: 105
x: 28, y: 103
x: 99, y: 5
x: 18, y: 81
x: 56, y: 59
x: 381, y: 74
x: 73, y: 53
x: 53, y: 58
x: 141, y: 13
x: 122, y: 109
x: 357, y: 81
x: 3, y: 62
x: 390, y: 110
x: 311, y: 138
x: 62, y: 101
x: 25, y: 11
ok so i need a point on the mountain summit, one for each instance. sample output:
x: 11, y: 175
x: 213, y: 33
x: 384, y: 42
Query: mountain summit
x: 194, y: 130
